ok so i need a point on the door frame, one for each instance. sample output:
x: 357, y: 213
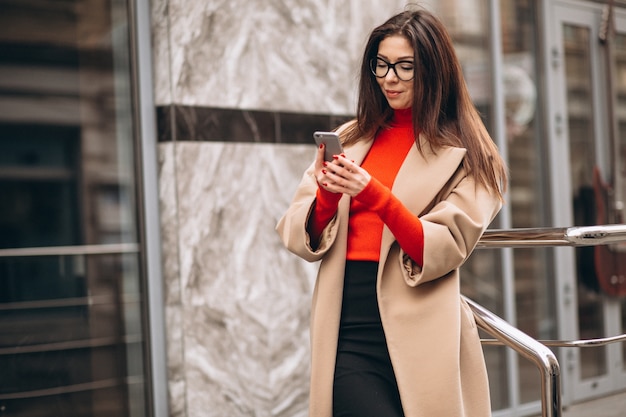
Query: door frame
x: 587, y: 14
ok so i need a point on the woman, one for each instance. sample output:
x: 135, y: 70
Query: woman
x: 392, y: 219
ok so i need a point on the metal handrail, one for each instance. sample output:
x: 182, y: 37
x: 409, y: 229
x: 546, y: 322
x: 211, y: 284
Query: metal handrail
x: 583, y: 343
x: 553, y: 236
x: 537, y: 350
x: 529, y: 348
x: 104, y: 249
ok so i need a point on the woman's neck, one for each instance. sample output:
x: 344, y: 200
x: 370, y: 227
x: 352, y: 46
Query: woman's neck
x: 402, y: 117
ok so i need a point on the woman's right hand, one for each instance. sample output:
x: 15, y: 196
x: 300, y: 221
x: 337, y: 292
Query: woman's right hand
x: 321, y: 174
x: 341, y: 176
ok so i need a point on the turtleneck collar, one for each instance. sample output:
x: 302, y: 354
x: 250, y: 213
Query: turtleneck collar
x: 402, y: 117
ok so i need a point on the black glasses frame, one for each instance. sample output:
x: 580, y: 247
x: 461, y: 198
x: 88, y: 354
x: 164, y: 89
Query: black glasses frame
x: 374, y: 64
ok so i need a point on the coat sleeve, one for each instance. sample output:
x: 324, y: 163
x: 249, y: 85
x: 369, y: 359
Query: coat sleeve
x: 292, y: 226
x: 452, y: 229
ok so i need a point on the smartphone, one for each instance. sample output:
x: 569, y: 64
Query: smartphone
x: 331, y: 142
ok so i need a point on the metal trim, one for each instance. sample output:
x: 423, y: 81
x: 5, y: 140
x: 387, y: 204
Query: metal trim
x: 583, y: 343
x: 108, y: 249
x: 555, y: 236
x: 148, y: 204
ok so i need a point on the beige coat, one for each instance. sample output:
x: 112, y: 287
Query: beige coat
x: 431, y: 333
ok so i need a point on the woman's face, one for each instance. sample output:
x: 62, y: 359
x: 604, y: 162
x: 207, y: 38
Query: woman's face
x: 391, y: 50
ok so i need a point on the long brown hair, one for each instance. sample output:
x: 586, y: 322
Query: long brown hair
x: 442, y: 108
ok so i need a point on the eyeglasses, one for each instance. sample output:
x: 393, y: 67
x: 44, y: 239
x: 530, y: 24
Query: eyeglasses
x: 404, y: 69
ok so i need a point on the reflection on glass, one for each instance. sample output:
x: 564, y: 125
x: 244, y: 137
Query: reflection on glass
x: 72, y: 326
x: 65, y: 346
x: 619, y: 51
x: 576, y: 46
x: 623, y: 318
x: 468, y: 24
x: 533, y: 283
x: 482, y: 282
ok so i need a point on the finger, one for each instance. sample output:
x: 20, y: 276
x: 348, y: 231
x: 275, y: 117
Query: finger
x: 327, y: 179
x: 346, y: 163
x: 354, y: 177
x: 343, y: 171
x: 333, y: 168
x: 319, y: 158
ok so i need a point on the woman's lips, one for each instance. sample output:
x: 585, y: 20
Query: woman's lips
x: 392, y: 93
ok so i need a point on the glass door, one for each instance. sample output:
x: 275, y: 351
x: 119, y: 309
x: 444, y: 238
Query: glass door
x: 73, y: 322
x: 580, y: 106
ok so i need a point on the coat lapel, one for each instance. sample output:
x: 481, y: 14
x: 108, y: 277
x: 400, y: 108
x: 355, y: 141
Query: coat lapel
x: 421, y: 175
x: 419, y: 180
x: 358, y: 151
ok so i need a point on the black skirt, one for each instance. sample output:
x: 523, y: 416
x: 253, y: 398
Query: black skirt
x: 364, y: 383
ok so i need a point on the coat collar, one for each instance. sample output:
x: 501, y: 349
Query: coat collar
x: 359, y: 150
x: 423, y: 174
x: 420, y: 178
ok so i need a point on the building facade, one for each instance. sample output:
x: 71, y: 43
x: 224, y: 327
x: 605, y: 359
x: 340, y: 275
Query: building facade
x: 147, y: 151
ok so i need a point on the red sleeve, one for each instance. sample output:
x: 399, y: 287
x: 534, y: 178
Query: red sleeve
x: 405, y: 226
x: 325, y: 208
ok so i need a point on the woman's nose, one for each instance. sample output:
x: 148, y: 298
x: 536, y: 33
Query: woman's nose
x: 391, y: 75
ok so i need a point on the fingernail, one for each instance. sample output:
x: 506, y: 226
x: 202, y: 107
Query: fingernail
x: 324, y: 171
x: 325, y: 184
x: 335, y: 157
x: 325, y: 163
x: 343, y: 154
x: 321, y: 146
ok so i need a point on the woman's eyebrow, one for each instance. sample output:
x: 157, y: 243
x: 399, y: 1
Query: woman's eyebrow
x: 402, y: 58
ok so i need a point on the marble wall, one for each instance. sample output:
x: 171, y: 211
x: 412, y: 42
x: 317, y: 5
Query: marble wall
x: 296, y: 55
x: 237, y: 303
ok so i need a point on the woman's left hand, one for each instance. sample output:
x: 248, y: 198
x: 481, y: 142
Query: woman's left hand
x: 344, y: 176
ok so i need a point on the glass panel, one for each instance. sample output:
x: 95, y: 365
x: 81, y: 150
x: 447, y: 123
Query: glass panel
x: 620, y: 88
x: 72, y: 326
x: 623, y: 318
x: 73, y: 346
x: 576, y: 46
x: 619, y: 51
x: 534, y: 284
x: 39, y: 182
x: 482, y: 282
x: 468, y: 24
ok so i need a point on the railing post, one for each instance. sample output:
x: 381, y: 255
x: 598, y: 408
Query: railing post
x: 529, y: 348
x: 534, y: 350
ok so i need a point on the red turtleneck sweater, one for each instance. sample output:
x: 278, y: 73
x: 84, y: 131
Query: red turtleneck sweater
x: 375, y: 205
